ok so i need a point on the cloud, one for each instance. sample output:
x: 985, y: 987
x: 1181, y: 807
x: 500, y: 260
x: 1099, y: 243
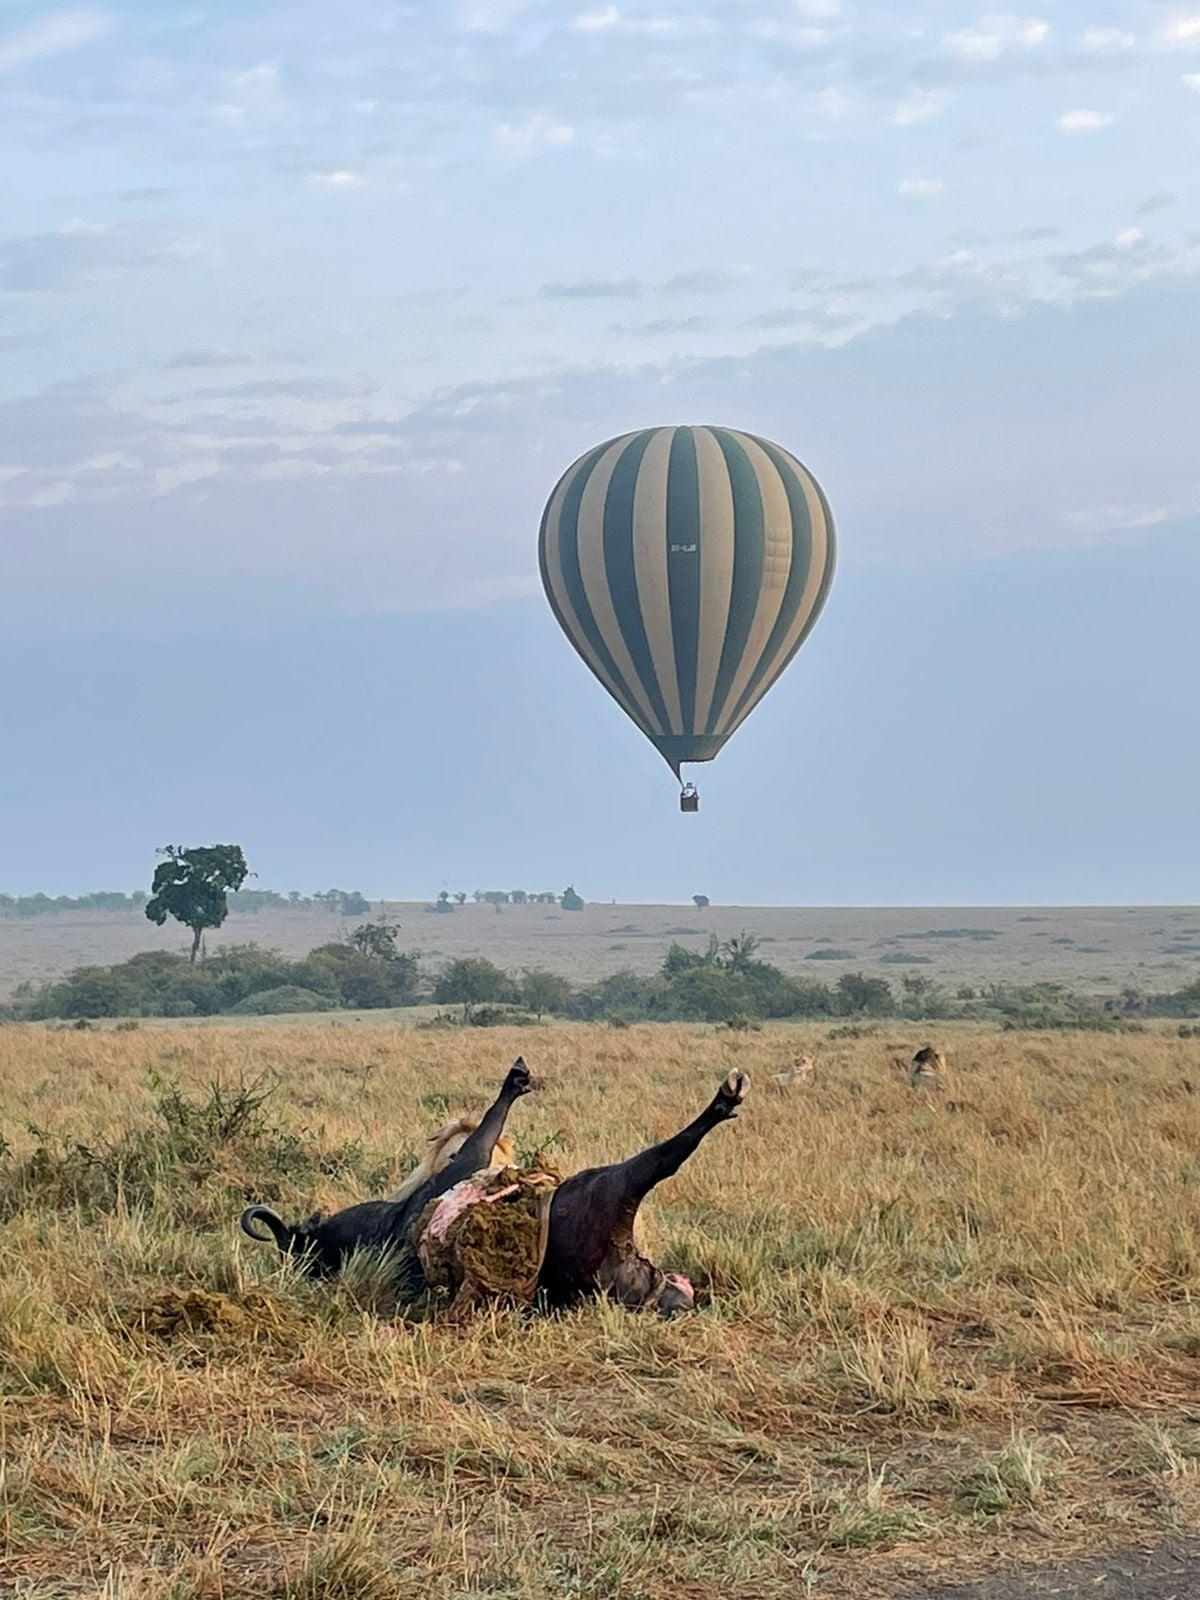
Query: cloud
x: 253, y: 97
x: 702, y: 281
x: 146, y: 194
x: 1156, y: 202
x: 1074, y: 122
x: 608, y: 18
x: 592, y: 289
x: 922, y: 105
x: 196, y: 360
x: 1181, y: 29
x: 596, y: 21
x: 666, y: 326
x: 1192, y: 79
x: 75, y: 252
x: 1115, y: 264
x: 782, y: 317
x: 489, y: 16
x: 920, y: 188
x: 317, y: 389
x: 51, y: 35
x: 26, y: 340
x: 1118, y: 518
x: 517, y: 141
x: 833, y: 103
x: 996, y: 36
x: 338, y: 178
x: 1103, y: 40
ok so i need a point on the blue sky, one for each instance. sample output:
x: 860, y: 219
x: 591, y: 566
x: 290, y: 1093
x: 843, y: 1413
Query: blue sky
x: 304, y: 309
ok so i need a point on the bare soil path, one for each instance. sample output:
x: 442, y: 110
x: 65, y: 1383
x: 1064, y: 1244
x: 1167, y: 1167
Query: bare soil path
x: 1169, y: 1572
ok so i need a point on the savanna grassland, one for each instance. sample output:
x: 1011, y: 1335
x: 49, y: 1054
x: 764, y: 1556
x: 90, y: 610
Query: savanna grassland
x: 934, y: 1337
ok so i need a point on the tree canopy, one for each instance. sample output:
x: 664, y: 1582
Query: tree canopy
x: 192, y: 885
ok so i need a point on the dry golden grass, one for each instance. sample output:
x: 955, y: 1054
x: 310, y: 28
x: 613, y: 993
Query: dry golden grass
x: 934, y: 1334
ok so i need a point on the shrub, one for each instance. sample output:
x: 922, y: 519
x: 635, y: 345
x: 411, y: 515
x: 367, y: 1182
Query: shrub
x: 362, y: 982
x: 474, y: 980
x: 625, y: 995
x: 711, y: 994
x: 88, y: 992
x: 499, y: 1017
x: 196, y: 1158
x: 242, y: 969
x: 856, y: 993
x: 543, y: 991
x: 275, y: 1002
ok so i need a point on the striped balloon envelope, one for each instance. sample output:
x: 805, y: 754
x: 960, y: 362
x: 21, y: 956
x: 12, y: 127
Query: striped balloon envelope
x: 687, y: 566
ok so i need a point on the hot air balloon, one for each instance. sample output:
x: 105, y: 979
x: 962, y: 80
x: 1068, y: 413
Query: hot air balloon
x: 687, y: 566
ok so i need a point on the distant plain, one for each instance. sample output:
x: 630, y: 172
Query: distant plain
x: 1094, y: 949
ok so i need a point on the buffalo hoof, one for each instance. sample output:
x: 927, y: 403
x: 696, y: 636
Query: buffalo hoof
x: 520, y: 1079
x: 731, y: 1094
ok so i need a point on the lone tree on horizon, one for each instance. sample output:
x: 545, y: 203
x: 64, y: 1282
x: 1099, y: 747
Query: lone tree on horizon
x: 192, y: 885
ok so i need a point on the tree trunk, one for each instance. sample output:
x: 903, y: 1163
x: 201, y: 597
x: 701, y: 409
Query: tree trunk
x: 197, y: 935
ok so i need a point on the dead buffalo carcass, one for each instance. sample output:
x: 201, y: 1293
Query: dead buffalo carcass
x: 582, y: 1228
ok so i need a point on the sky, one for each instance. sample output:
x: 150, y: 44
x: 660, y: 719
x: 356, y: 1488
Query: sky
x: 304, y: 309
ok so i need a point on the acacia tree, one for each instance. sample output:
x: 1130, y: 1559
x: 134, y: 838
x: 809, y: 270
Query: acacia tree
x: 191, y: 885
x: 376, y: 939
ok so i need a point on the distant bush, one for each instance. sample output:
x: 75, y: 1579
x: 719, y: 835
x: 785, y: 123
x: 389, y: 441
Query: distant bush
x: 543, y: 991
x: 624, y: 994
x: 361, y: 982
x: 35, y: 905
x: 275, y: 1002
x: 856, y: 993
x: 473, y: 980
x: 499, y: 1017
x: 828, y: 953
x: 719, y: 983
x: 160, y: 983
x: 347, y: 902
x: 569, y: 900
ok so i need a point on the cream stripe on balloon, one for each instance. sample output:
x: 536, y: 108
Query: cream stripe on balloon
x: 590, y: 547
x: 552, y: 544
x: 650, y: 567
x: 716, y: 569
x: 776, y: 565
x: 818, y: 564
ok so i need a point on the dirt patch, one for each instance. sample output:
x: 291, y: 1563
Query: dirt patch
x: 1171, y: 1572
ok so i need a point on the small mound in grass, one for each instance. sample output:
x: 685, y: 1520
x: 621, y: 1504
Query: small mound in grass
x: 186, y: 1313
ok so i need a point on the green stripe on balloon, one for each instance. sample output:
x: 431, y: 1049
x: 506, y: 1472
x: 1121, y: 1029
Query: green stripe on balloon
x: 619, y: 568
x: 568, y: 536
